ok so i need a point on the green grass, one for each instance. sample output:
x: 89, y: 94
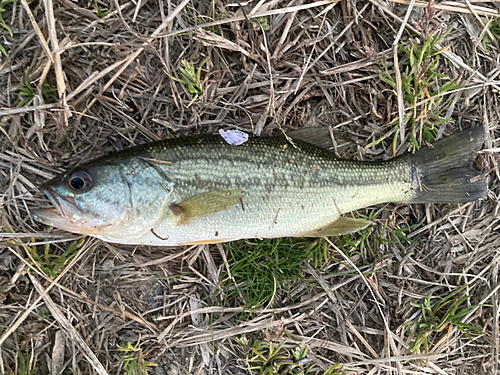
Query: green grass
x: 52, y: 264
x: 46, y: 259
x: 193, y: 17
x: 275, y: 357
x: 4, y: 25
x: 260, y: 22
x: 191, y: 77
x: 448, y: 312
x: 25, y: 362
x: 101, y: 13
x: 398, y: 237
x: 422, y: 84
x: 28, y: 92
x: 494, y: 29
x: 133, y: 359
x: 262, y: 269
x: 366, y: 242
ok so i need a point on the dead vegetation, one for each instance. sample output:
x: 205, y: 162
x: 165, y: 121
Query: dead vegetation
x: 415, y: 293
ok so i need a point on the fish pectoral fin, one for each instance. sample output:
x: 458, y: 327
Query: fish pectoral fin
x: 342, y: 225
x: 206, y: 204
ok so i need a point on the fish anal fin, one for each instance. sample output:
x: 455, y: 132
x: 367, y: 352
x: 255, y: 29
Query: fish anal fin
x: 206, y: 204
x: 342, y: 225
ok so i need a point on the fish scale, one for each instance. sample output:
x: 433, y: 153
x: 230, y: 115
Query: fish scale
x: 308, y: 181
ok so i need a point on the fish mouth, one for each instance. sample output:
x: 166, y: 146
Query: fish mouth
x: 66, y: 214
x: 49, y: 216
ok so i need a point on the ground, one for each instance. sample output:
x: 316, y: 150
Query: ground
x: 416, y: 292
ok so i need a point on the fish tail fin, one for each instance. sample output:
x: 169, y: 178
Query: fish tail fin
x: 444, y: 173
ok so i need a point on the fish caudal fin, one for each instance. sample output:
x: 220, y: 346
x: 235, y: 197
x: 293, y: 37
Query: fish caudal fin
x: 444, y: 173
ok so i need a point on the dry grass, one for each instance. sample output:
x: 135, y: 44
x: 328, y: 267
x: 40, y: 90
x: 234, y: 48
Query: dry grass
x: 271, y: 66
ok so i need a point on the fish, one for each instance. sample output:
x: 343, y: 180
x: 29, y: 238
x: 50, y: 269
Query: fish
x: 203, y: 190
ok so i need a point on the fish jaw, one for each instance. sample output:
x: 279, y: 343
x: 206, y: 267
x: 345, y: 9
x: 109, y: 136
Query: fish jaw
x: 51, y: 217
x: 66, y: 215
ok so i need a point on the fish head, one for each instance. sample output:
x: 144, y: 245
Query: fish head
x: 88, y: 200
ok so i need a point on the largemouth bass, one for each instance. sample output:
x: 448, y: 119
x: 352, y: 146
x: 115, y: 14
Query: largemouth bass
x: 203, y: 190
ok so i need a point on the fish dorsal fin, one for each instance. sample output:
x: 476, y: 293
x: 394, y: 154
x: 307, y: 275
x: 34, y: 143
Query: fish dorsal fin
x: 319, y: 137
x: 206, y: 204
x: 342, y: 225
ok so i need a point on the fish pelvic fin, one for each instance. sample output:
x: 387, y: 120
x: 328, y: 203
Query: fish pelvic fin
x: 342, y: 225
x: 206, y: 204
x: 445, y: 173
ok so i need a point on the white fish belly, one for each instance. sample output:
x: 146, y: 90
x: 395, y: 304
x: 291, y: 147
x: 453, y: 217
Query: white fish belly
x: 290, y: 213
x: 267, y: 215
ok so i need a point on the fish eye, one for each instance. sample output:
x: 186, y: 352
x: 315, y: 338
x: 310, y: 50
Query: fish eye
x: 80, y: 181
